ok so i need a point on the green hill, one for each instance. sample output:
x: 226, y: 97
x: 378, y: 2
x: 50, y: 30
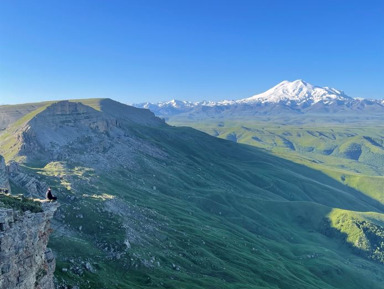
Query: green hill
x: 147, y: 205
x: 347, y: 148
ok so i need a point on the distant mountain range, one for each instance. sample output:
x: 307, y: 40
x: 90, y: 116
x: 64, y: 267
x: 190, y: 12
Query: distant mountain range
x: 287, y: 97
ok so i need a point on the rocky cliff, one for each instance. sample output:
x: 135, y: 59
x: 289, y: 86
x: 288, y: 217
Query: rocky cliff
x: 4, y: 183
x: 25, y: 260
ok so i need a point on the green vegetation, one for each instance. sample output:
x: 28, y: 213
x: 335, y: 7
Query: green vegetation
x: 10, y: 144
x: 19, y: 203
x: 95, y: 103
x: 218, y: 224
x: 349, y: 149
x: 364, y: 231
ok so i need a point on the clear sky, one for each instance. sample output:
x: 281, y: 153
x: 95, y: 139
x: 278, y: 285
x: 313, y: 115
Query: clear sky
x: 154, y: 50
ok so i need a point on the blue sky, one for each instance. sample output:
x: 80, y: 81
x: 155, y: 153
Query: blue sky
x: 153, y: 50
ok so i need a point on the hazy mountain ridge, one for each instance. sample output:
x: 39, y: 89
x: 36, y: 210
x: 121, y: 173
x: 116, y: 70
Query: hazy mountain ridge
x: 286, y: 97
x: 147, y: 205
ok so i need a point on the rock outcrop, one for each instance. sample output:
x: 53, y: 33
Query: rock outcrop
x: 4, y: 183
x: 25, y: 261
x: 67, y: 131
x: 34, y: 188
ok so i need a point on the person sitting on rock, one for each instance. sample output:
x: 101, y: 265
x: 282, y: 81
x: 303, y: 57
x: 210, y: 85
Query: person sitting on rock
x: 49, y: 195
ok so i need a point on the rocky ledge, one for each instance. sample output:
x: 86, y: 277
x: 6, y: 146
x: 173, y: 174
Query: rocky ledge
x: 4, y: 182
x: 25, y: 260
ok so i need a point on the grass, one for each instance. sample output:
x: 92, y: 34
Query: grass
x: 10, y: 144
x: 223, y: 224
x: 364, y: 232
x: 19, y: 203
x: 352, y: 150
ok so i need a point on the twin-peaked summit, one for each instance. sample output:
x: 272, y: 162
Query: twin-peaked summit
x: 286, y: 97
x: 298, y: 92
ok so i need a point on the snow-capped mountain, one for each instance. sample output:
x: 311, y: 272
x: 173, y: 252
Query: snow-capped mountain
x: 286, y: 97
x: 297, y: 92
x: 171, y: 107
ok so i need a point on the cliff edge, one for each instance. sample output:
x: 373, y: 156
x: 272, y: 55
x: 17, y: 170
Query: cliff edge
x: 25, y: 260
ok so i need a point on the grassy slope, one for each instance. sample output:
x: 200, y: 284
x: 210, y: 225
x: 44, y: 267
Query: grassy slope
x: 10, y: 114
x: 352, y: 153
x: 211, y: 229
x: 214, y: 214
x: 19, y: 203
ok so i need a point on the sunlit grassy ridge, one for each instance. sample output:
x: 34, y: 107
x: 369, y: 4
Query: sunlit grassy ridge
x: 95, y: 103
x: 211, y: 214
x: 364, y: 231
x: 17, y: 112
x: 10, y: 144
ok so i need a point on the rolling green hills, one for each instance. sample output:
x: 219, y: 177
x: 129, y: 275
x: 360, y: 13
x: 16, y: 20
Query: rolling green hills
x: 349, y: 148
x: 148, y: 205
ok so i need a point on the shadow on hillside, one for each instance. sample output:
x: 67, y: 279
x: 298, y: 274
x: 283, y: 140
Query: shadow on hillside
x: 254, y: 162
x: 273, y: 176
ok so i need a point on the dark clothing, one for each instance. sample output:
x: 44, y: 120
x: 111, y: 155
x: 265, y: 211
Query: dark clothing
x: 49, y: 195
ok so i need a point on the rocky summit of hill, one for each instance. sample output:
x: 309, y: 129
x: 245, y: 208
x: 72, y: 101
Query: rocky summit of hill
x: 147, y: 205
x: 72, y: 131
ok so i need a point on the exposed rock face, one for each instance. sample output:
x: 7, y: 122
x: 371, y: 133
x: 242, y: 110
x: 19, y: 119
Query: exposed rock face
x: 67, y: 131
x: 4, y: 183
x: 25, y: 261
x: 34, y: 187
x: 55, y: 126
x: 64, y: 122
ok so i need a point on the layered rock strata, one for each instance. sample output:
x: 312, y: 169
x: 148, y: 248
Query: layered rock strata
x: 4, y: 183
x: 25, y: 260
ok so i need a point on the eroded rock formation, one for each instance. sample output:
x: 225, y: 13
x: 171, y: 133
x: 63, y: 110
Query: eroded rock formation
x: 4, y: 183
x: 25, y: 260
